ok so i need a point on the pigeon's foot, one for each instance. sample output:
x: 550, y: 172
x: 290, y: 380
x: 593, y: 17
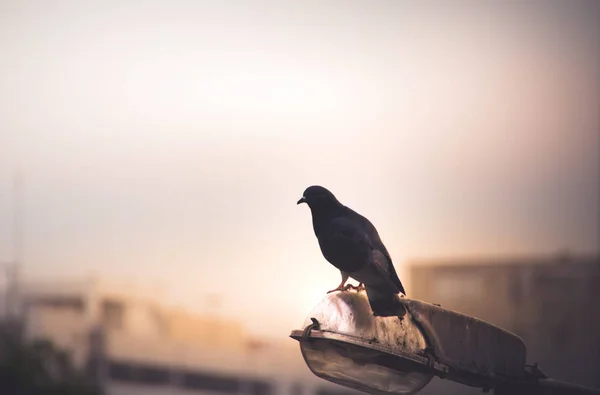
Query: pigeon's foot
x: 358, y: 288
x: 339, y: 288
x: 342, y: 286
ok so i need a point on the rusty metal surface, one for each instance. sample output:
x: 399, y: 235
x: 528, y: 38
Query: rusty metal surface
x: 468, y: 344
x: 344, y: 343
x: 363, y: 368
x: 447, y: 343
x: 349, y: 313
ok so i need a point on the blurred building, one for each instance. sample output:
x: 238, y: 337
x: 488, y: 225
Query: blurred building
x: 133, y: 344
x: 553, y: 303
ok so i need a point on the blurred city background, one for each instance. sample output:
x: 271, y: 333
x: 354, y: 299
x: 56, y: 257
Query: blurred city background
x: 151, y: 154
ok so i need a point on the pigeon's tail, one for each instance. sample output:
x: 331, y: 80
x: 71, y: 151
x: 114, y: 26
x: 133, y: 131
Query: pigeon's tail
x: 385, y: 304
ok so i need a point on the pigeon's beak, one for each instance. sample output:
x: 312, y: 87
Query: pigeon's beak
x: 302, y: 200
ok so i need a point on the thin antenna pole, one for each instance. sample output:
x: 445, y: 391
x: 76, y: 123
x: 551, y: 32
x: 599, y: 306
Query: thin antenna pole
x: 17, y: 218
x: 15, y: 267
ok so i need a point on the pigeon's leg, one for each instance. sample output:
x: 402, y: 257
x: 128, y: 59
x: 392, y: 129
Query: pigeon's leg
x: 341, y: 287
x: 358, y: 288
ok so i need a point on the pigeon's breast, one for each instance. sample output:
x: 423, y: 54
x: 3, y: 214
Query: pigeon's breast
x: 343, y: 251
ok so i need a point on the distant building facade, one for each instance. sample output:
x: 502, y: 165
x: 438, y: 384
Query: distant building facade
x: 133, y: 345
x: 553, y: 303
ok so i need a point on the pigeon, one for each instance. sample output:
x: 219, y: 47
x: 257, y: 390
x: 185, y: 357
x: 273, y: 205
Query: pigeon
x: 351, y: 243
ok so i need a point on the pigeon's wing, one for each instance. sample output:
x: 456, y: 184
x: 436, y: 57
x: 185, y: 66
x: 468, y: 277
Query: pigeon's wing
x: 388, y: 259
x: 396, y: 279
x: 378, y: 245
x: 382, y: 291
x: 391, y: 270
x: 344, y: 244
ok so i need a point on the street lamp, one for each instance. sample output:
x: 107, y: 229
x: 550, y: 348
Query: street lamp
x: 344, y: 343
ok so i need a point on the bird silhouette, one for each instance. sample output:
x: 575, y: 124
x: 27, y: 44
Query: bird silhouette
x: 351, y: 243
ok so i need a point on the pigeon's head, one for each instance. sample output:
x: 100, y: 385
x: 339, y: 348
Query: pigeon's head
x: 318, y: 198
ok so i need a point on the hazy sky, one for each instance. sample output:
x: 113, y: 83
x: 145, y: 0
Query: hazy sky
x: 167, y: 142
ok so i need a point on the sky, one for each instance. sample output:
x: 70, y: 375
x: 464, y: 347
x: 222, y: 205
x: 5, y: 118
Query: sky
x: 167, y: 143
